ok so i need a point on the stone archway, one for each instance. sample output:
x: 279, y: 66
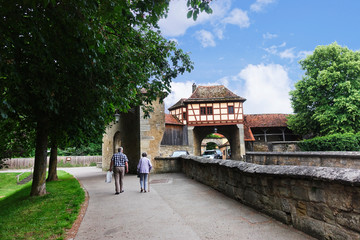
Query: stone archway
x: 234, y: 133
x: 116, y: 142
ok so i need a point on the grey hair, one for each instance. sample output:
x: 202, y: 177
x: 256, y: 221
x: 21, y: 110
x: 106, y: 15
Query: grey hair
x: 120, y: 149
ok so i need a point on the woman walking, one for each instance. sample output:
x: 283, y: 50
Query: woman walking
x: 143, y: 169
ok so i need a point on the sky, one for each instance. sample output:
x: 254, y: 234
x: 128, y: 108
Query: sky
x: 253, y: 47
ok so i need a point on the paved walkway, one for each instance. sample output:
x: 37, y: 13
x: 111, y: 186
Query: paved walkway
x: 175, y: 208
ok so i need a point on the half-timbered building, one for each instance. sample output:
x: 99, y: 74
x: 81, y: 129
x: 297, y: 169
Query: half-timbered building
x: 210, y: 109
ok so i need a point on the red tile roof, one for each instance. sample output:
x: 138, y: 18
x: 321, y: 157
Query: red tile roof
x: 180, y: 103
x: 213, y: 94
x: 248, y: 134
x: 170, y: 119
x: 266, y: 120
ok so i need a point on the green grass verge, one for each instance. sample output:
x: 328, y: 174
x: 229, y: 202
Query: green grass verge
x: 8, y: 183
x: 45, y: 217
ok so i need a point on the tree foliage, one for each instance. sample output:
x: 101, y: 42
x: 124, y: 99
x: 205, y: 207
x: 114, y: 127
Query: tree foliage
x: 326, y: 100
x: 65, y: 66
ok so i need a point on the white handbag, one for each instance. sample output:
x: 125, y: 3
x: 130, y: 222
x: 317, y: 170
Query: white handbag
x: 108, y: 177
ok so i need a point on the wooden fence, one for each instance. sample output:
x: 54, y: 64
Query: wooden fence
x: 20, y: 163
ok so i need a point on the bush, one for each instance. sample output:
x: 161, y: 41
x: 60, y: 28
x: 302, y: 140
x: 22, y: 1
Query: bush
x: 92, y: 149
x: 334, y: 142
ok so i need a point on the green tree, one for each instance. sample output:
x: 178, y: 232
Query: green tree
x: 65, y: 66
x: 326, y: 100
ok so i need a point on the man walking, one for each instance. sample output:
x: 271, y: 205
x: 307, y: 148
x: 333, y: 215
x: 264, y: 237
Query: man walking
x: 119, y: 162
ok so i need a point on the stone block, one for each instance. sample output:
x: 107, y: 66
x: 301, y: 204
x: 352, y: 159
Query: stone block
x: 334, y: 232
x: 284, y: 192
x: 321, y: 212
x: 310, y: 226
x: 349, y: 219
x: 279, y: 215
x: 299, y: 192
x: 316, y: 194
x: 355, y: 201
x: 251, y: 197
x: 301, y: 209
x: 337, y: 197
x: 285, y: 205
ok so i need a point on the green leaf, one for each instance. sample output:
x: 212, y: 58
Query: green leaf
x: 189, y: 14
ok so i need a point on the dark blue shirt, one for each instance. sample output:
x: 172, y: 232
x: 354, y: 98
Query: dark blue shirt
x: 119, y: 159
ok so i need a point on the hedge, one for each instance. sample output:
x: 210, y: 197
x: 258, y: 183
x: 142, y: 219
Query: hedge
x: 334, y: 142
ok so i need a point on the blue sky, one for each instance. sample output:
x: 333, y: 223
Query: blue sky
x: 253, y: 46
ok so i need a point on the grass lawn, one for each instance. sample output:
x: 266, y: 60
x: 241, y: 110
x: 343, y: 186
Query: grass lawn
x: 45, y: 217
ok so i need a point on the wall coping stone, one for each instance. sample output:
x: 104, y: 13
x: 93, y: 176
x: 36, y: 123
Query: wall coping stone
x: 311, y: 154
x: 345, y: 176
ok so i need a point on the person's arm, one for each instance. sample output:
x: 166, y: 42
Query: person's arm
x: 126, y: 167
x: 150, y: 165
x: 111, y: 164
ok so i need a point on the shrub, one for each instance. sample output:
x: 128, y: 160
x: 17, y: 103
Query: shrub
x: 334, y: 142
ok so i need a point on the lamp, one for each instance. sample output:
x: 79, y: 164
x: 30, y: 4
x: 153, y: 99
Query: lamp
x: 215, y: 130
x: 117, y: 115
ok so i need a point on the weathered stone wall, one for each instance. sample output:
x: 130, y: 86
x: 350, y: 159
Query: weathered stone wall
x: 152, y: 131
x: 108, y: 148
x: 282, y: 146
x: 319, y: 159
x: 322, y: 202
x: 167, y: 165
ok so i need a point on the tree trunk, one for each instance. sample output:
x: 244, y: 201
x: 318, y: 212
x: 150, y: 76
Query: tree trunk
x: 38, y: 187
x: 52, y: 176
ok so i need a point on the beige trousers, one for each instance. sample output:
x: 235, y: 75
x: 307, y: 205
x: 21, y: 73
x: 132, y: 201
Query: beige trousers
x: 119, y: 173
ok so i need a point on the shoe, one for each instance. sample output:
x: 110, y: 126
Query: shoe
x: 141, y: 190
x: 117, y: 193
x: 121, y: 191
x: 144, y: 191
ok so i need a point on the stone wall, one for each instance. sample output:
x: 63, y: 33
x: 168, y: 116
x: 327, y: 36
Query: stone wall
x: 281, y: 146
x: 166, y: 165
x: 319, y: 159
x: 322, y: 202
x: 152, y: 131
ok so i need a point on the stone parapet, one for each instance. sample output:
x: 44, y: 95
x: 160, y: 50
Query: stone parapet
x: 167, y: 165
x: 319, y: 159
x: 323, y: 202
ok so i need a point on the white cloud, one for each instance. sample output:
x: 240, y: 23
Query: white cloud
x: 266, y: 88
x: 269, y: 36
x: 206, y: 38
x: 288, y: 53
x: 259, y: 5
x: 177, y: 23
x: 178, y: 90
x: 219, y: 33
x: 238, y: 17
x: 304, y: 54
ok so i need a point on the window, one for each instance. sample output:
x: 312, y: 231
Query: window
x: 184, y: 116
x: 206, y: 110
x: 230, y: 109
